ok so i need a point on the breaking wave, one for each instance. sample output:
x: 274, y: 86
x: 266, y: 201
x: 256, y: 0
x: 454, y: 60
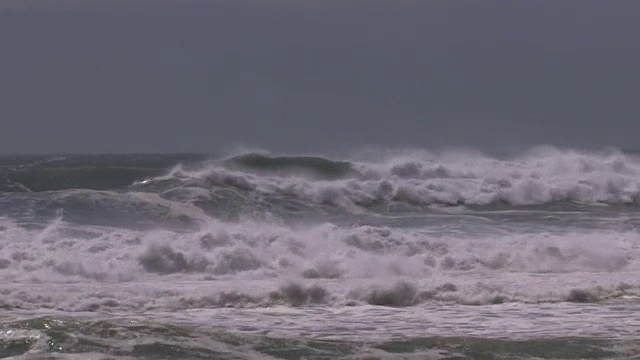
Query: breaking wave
x: 258, y: 263
x: 386, y: 181
x: 417, y: 179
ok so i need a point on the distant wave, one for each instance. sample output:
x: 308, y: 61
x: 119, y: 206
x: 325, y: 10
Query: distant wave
x: 390, y: 181
x: 318, y: 167
x: 418, y: 179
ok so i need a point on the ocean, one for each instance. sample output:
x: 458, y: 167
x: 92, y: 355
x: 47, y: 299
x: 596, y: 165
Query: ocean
x: 377, y: 254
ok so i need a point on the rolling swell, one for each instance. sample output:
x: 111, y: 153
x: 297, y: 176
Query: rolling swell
x: 317, y: 167
x: 94, y: 172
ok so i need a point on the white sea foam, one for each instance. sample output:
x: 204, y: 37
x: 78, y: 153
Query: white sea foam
x: 255, y: 258
x: 539, y: 176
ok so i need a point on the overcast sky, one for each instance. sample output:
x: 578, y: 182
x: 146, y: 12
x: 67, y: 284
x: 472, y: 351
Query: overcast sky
x: 305, y: 75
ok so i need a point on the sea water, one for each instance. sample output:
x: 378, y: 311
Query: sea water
x: 379, y: 254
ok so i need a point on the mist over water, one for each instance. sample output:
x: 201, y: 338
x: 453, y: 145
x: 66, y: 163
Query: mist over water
x: 383, y: 253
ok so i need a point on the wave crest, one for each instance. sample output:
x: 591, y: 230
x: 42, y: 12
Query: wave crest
x: 423, y: 179
x: 316, y: 167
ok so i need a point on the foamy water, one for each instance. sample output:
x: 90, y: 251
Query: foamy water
x: 379, y: 254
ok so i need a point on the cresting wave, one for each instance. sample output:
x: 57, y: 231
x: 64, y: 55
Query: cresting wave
x: 253, y: 263
x: 406, y: 180
x: 379, y: 180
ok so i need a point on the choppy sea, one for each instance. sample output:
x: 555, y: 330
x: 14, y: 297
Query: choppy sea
x: 379, y: 254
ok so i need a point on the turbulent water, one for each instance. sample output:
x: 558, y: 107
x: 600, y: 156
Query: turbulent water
x: 380, y: 254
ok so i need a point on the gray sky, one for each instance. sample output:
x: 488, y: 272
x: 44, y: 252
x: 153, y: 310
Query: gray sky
x: 305, y: 75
